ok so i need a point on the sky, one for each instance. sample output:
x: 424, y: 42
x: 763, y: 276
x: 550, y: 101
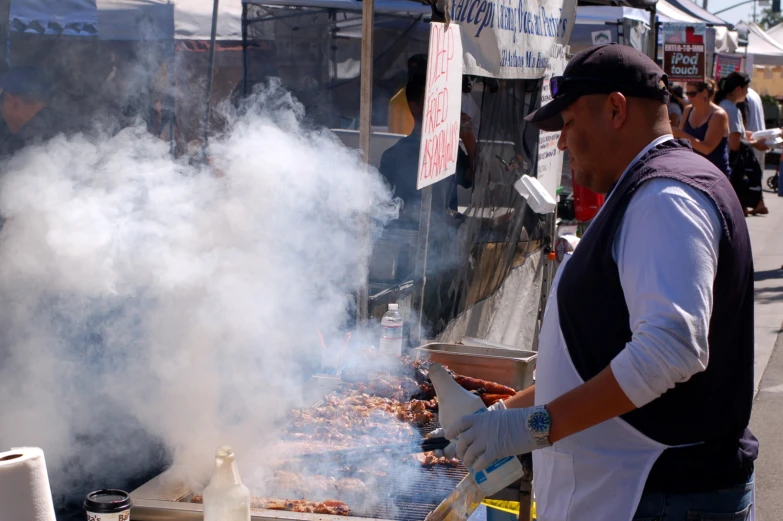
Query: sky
x: 744, y: 12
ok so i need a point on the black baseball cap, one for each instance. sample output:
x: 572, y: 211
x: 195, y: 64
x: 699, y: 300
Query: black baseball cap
x: 602, y: 69
x: 24, y: 80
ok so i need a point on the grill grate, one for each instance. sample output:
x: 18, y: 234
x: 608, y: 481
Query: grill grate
x: 398, y: 510
x: 423, y: 489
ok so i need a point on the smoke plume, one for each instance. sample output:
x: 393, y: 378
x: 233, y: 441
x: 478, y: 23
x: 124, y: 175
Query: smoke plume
x: 148, y: 302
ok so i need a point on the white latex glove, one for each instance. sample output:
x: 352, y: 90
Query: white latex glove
x: 451, y: 449
x: 485, y: 437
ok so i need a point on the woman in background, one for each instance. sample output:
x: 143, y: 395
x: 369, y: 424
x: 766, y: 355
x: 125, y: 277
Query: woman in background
x: 705, y: 125
x: 734, y: 90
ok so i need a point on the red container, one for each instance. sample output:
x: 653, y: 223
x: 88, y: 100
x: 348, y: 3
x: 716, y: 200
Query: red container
x: 586, y: 202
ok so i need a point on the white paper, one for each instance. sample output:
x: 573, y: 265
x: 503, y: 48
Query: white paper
x: 442, y: 106
x: 550, y: 159
x: 24, y: 486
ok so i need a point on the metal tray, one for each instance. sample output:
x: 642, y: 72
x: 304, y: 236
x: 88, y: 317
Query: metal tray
x: 160, y: 499
x: 504, y: 366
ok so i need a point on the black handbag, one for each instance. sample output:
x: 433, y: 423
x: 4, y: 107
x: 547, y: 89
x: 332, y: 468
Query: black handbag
x: 746, y: 175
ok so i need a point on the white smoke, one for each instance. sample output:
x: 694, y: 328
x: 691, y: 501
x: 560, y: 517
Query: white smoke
x: 141, y: 294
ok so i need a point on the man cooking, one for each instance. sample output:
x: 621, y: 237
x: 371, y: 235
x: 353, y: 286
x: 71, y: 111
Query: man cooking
x: 645, y: 368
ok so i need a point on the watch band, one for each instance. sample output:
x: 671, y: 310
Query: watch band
x: 538, y: 424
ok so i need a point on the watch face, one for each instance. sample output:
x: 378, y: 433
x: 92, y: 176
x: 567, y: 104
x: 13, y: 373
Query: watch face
x: 538, y: 422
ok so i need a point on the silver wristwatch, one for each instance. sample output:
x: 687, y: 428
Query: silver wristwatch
x: 538, y: 423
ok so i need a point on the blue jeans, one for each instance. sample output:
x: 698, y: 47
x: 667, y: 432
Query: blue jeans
x: 730, y: 504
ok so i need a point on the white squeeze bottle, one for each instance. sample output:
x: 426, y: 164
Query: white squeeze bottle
x: 391, y: 331
x: 226, y: 498
x: 454, y: 402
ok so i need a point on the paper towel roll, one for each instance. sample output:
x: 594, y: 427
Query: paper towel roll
x: 24, y: 486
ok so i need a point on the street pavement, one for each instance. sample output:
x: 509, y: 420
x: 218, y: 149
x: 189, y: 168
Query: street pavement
x: 766, y: 233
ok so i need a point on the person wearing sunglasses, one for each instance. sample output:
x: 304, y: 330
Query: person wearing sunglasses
x: 644, y: 377
x: 705, y: 125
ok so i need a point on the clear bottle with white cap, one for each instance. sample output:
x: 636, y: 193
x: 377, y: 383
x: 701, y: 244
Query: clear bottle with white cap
x: 226, y: 498
x: 391, y: 331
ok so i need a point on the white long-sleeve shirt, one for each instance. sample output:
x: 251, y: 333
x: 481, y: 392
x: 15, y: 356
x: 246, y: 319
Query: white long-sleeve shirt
x: 666, y: 251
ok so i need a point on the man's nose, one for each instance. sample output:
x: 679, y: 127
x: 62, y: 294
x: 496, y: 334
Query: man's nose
x: 561, y: 143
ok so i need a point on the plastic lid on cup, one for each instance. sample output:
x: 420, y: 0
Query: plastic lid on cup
x: 107, y: 501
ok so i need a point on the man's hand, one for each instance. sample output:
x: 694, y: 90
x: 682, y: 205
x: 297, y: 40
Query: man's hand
x: 451, y: 450
x: 485, y: 437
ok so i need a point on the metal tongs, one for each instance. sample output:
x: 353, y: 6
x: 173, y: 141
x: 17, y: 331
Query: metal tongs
x: 401, y: 449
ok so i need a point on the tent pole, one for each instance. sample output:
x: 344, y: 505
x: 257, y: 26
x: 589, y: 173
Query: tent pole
x: 5, y: 29
x: 365, y: 127
x: 653, y: 50
x: 244, y: 49
x: 211, y: 67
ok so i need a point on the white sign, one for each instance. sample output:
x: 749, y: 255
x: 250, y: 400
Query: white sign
x: 442, y: 106
x: 511, y: 39
x: 600, y: 37
x: 550, y: 159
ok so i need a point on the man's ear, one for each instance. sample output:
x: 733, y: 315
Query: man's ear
x: 618, y: 104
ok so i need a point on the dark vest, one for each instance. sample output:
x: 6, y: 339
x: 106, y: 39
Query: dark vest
x: 711, y: 409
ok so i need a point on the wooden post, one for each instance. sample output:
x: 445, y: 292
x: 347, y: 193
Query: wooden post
x: 526, y: 489
x: 210, y: 70
x: 365, y: 128
x: 652, y: 52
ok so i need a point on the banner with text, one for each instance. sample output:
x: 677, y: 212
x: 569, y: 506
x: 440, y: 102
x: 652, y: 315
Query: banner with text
x: 550, y: 159
x: 725, y: 64
x: 684, y: 56
x: 511, y: 39
x: 442, y: 106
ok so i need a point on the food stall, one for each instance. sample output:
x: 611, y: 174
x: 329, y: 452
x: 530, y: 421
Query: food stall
x: 358, y: 451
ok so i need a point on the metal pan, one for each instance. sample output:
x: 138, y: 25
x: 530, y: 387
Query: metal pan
x: 504, y: 366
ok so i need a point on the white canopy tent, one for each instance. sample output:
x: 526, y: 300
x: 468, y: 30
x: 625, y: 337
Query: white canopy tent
x: 761, y: 49
x: 600, y: 14
x: 776, y: 33
x: 612, y: 16
x: 668, y: 13
x: 127, y: 19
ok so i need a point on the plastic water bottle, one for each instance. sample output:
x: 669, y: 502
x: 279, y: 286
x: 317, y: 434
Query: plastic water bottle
x: 454, y: 402
x: 226, y: 498
x: 391, y: 331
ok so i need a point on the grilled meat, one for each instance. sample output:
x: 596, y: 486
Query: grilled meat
x: 350, y: 486
x: 293, y: 484
x: 329, y: 506
x: 357, y: 419
x: 474, y: 384
x: 430, y: 459
x: 491, y: 399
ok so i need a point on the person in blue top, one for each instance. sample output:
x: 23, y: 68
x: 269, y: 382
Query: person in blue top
x: 705, y: 125
x: 734, y: 90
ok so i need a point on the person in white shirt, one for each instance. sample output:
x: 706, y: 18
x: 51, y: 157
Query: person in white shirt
x: 644, y: 378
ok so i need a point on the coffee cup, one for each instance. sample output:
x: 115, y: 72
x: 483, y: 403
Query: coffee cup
x: 108, y: 505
